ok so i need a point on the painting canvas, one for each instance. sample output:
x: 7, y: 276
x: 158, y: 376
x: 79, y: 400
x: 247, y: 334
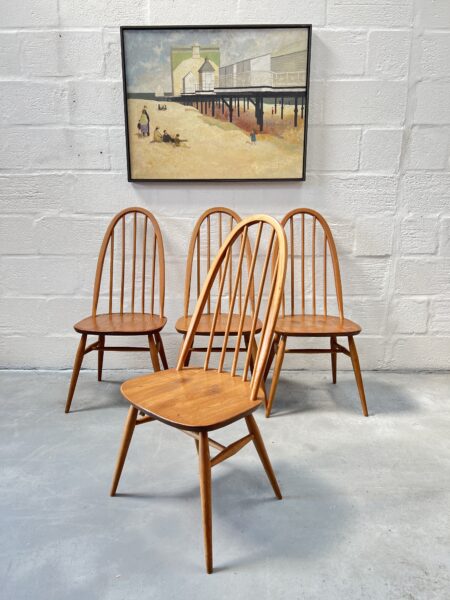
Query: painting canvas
x: 216, y: 103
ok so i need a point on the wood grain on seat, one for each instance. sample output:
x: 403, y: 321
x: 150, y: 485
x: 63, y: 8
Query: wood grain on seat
x: 192, y: 398
x: 315, y: 325
x: 121, y: 324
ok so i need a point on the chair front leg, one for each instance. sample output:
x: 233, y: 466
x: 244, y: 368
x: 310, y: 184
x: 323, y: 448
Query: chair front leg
x: 357, y: 371
x: 161, y: 350
x: 154, y: 353
x: 130, y: 424
x: 101, y: 345
x: 205, y: 493
x: 276, y: 373
x: 76, y: 370
x: 262, y: 452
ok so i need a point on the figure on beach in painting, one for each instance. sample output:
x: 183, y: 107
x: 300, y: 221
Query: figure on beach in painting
x: 157, y: 135
x: 170, y: 139
x: 177, y: 140
x: 144, y: 123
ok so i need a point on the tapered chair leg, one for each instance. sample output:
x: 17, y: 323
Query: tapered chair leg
x: 357, y: 370
x: 263, y: 381
x: 101, y: 345
x: 271, y: 355
x: 161, y: 351
x: 154, y: 353
x: 76, y: 370
x: 333, y: 357
x: 276, y: 373
x: 125, y: 444
x: 261, y: 449
x: 205, y: 493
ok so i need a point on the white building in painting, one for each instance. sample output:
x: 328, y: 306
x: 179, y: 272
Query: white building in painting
x: 283, y: 68
x: 189, y: 82
x: 194, y: 68
x: 207, y: 76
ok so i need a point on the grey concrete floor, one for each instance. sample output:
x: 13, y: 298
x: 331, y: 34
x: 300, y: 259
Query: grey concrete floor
x: 365, y: 513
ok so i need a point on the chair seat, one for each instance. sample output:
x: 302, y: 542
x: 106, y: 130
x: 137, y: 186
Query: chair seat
x: 121, y: 324
x: 315, y: 325
x: 192, y: 399
x: 206, y: 320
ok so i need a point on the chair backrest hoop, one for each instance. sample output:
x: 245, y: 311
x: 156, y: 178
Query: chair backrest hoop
x: 328, y: 242
x: 109, y: 237
x: 278, y: 246
x: 194, y: 248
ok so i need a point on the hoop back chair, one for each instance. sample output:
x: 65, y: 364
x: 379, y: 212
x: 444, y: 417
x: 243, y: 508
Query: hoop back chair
x: 133, y: 246
x: 209, y: 232
x: 306, y: 302
x: 198, y: 400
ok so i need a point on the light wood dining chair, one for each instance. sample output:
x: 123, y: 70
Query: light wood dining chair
x: 207, y: 237
x: 198, y: 400
x: 139, y: 257
x: 311, y: 248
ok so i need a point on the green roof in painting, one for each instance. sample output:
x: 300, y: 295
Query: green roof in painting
x: 182, y: 53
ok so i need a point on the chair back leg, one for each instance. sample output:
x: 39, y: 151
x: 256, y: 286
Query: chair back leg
x: 205, y: 493
x: 358, y: 377
x: 276, y: 373
x: 154, y: 353
x: 333, y: 357
x: 76, y: 370
x: 274, y: 345
x: 161, y: 350
x: 262, y: 452
x: 101, y: 345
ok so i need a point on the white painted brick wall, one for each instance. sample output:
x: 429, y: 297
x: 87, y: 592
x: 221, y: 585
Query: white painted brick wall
x: 428, y: 148
x: 389, y: 53
x: 372, y: 158
x: 63, y: 53
x: 378, y: 168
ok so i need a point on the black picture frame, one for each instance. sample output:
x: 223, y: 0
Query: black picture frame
x: 305, y: 95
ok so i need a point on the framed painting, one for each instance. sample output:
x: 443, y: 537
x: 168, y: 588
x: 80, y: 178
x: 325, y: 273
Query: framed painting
x: 216, y: 103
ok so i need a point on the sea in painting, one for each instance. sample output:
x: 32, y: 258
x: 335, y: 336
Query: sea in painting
x: 216, y: 103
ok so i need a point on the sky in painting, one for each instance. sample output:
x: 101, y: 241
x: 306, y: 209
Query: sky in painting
x: 147, y: 52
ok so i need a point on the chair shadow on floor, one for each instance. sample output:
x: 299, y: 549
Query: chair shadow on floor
x: 307, y: 523
x: 296, y: 396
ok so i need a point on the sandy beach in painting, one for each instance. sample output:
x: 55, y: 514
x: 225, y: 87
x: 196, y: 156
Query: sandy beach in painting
x: 214, y: 147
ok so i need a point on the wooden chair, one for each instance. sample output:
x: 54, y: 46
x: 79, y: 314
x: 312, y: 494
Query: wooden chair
x: 317, y: 323
x: 198, y: 400
x: 142, y: 245
x: 209, y: 232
